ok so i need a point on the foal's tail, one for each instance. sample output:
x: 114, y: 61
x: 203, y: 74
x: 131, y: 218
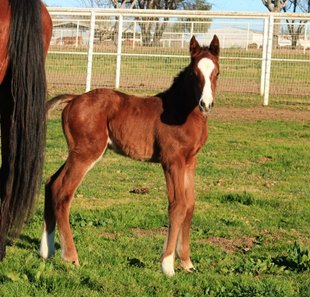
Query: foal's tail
x: 24, y: 119
x: 62, y: 99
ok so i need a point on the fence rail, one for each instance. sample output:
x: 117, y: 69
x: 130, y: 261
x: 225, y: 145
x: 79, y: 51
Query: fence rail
x: 142, y: 50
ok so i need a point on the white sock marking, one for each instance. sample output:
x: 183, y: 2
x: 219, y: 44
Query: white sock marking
x: 167, y: 265
x: 47, y: 247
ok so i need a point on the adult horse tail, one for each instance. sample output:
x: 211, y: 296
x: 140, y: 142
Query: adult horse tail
x: 23, y: 118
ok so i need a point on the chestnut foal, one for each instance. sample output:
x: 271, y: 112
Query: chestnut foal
x: 169, y: 128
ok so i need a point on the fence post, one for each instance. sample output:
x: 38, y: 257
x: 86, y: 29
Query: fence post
x: 247, y: 38
x: 77, y: 34
x: 192, y: 29
x: 305, y: 37
x: 134, y: 34
x: 264, y: 57
x: 90, y: 50
x: 268, y: 60
x: 119, y: 51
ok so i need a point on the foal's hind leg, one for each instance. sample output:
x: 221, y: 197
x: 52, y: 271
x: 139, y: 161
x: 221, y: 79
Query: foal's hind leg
x: 60, y: 190
x: 47, y: 247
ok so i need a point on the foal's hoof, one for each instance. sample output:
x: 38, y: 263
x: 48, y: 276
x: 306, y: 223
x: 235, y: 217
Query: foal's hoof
x: 46, y: 252
x: 188, y: 266
x: 72, y: 260
x: 191, y: 270
x: 169, y: 271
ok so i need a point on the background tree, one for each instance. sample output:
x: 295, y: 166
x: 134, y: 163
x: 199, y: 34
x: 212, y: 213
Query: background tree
x: 152, y: 28
x: 303, y: 5
x: 95, y: 3
x: 202, y: 24
x: 295, y: 28
x: 275, y: 6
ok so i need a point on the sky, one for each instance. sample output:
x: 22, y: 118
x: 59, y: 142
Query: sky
x: 218, y: 5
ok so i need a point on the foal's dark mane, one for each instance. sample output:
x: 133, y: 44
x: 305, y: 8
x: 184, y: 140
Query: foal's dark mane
x: 181, y: 98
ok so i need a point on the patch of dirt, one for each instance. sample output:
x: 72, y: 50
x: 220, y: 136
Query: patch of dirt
x: 140, y: 191
x: 265, y: 159
x: 142, y: 233
x: 139, y: 233
x: 243, y: 244
x: 233, y: 245
x: 258, y: 113
x: 109, y: 235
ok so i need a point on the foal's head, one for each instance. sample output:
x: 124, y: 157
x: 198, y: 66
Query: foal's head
x: 205, y: 65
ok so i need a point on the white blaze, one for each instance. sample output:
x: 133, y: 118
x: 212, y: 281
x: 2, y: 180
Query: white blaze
x: 206, y: 66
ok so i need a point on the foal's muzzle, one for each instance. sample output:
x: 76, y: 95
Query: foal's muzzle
x: 204, y: 108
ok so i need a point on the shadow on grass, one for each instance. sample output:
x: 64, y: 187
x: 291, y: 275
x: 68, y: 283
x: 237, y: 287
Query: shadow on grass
x: 29, y: 243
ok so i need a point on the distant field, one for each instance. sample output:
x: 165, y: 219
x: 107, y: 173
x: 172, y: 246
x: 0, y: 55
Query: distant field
x: 251, y: 228
x: 147, y: 73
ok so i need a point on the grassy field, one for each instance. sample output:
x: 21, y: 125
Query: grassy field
x: 250, y: 233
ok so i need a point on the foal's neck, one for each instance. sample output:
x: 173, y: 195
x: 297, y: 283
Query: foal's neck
x: 181, y: 98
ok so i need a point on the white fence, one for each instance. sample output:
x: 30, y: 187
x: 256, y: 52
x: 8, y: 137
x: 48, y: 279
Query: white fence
x: 267, y: 54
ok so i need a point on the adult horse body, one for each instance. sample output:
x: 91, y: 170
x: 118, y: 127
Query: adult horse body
x: 25, y: 32
x: 169, y: 128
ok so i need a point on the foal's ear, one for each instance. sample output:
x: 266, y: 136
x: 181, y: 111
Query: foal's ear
x: 214, y: 47
x: 194, y: 47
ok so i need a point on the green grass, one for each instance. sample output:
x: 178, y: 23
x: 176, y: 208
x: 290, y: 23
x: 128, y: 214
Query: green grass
x: 250, y: 232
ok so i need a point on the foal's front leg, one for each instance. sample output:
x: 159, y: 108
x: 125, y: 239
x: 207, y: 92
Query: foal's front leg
x: 183, y: 244
x: 177, y: 212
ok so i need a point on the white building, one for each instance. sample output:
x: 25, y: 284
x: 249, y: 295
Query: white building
x: 236, y: 37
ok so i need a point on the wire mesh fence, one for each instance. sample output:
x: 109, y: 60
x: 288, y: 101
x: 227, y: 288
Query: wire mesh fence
x: 265, y: 54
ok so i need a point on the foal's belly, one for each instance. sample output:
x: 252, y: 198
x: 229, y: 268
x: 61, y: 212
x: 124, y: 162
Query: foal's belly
x: 132, y: 130
x: 131, y: 143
